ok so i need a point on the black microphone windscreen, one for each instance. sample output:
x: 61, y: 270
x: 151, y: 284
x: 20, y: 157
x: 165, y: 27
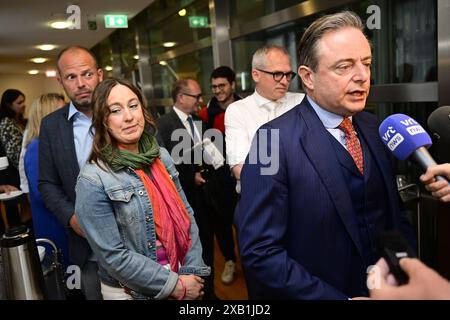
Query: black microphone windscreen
x: 439, y: 123
x: 439, y: 126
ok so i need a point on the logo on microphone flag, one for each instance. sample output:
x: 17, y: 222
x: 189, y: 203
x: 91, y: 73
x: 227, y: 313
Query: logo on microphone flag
x: 395, y: 141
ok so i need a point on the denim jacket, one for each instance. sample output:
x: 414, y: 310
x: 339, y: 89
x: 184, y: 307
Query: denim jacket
x: 115, y: 213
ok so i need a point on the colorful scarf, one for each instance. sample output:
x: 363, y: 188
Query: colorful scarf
x: 172, y: 222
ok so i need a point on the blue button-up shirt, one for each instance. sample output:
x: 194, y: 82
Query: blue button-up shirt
x: 82, y: 137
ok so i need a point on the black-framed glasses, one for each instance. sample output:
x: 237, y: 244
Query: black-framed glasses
x: 195, y: 96
x: 278, y: 75
x: 219, y: 86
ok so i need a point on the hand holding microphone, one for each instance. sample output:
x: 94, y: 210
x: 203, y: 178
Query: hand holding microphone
x: 406, y: 138
x: 439, y: 189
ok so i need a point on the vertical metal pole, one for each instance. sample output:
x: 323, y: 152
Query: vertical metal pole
x: 443, y: 38
x: 219, y: 11
x: 144, y: 67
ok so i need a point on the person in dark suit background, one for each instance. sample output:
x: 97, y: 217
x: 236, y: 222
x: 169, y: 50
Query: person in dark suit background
x: 308, y: 227
x: 187, y: 97
x: 65, y: 145
x: 181, y: 127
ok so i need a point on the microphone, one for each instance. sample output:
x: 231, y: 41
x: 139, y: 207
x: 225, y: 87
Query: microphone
x: 439, y: 126
x: 394, y: 247
x: 406, y: 138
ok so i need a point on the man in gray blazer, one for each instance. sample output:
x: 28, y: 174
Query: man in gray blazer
x: 65, y: 145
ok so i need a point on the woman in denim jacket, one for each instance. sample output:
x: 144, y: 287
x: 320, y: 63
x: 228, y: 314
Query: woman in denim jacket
x: 131, y: 207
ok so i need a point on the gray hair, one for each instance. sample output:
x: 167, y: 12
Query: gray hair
x: 307, y: 48
x: 259, y: 57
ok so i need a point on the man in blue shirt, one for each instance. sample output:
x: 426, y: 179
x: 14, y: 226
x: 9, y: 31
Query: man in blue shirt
x: 65, y: 145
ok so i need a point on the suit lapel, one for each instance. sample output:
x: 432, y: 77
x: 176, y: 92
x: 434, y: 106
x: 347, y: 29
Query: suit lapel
x: 346, y: 159
x: 176, y: 120
x: 67, y: 142
x: 179, y: 125
x: 319, y: 149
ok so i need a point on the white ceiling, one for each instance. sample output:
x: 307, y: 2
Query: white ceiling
x: 23, y: 25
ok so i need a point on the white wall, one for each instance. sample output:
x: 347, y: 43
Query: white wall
x: 31, y: 85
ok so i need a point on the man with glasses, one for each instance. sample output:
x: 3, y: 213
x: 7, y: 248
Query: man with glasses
x: 272, y: 73
x: 220, y: 189
x: 223, y: 83
x: 174, y: 128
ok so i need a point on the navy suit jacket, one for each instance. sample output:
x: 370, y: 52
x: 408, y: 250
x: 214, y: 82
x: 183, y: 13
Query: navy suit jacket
x: 58, y: 172
x: 297, y: 229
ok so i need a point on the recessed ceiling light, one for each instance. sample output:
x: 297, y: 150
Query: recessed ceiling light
x: 108, y: 68
x: 33, y: 71
x: 182, y: 12
x: 46, y: 47
x: 136, y: 57
x: 39, y: 60
x: 50, y: 73
x: 163, y: 63
x: 59, y: 24
x: 169, y: 44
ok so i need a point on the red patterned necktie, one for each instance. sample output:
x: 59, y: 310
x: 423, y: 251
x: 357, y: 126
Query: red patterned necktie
x: 352, y: 143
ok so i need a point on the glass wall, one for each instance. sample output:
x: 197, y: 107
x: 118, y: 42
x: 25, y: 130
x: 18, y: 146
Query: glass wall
x: 175, y: 30
x: 196, y: 65
x: 404, y: 48
x: 244, y: 11
x: 127, y: 52
x: 117, y: 54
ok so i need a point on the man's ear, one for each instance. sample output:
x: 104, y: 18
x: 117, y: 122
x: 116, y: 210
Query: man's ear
x: 180, y: 97
x: 58, y: 77
x: 233, y: 85
x: 307, y: 76
x: 255, y: 75
x: 100, y: 74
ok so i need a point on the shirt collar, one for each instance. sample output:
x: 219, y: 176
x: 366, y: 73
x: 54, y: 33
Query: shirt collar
x: 72, y: 110
x: 181, y: 114
x: 260, y: 100
x: 330, y: 120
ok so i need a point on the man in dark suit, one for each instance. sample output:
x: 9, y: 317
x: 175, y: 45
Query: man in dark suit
x: 65, y: 145
x: 180, y: 132
x: 309, y: 220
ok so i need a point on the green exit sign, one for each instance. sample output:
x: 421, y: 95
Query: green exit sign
x: 116, y: 21
x: 198, y: 22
